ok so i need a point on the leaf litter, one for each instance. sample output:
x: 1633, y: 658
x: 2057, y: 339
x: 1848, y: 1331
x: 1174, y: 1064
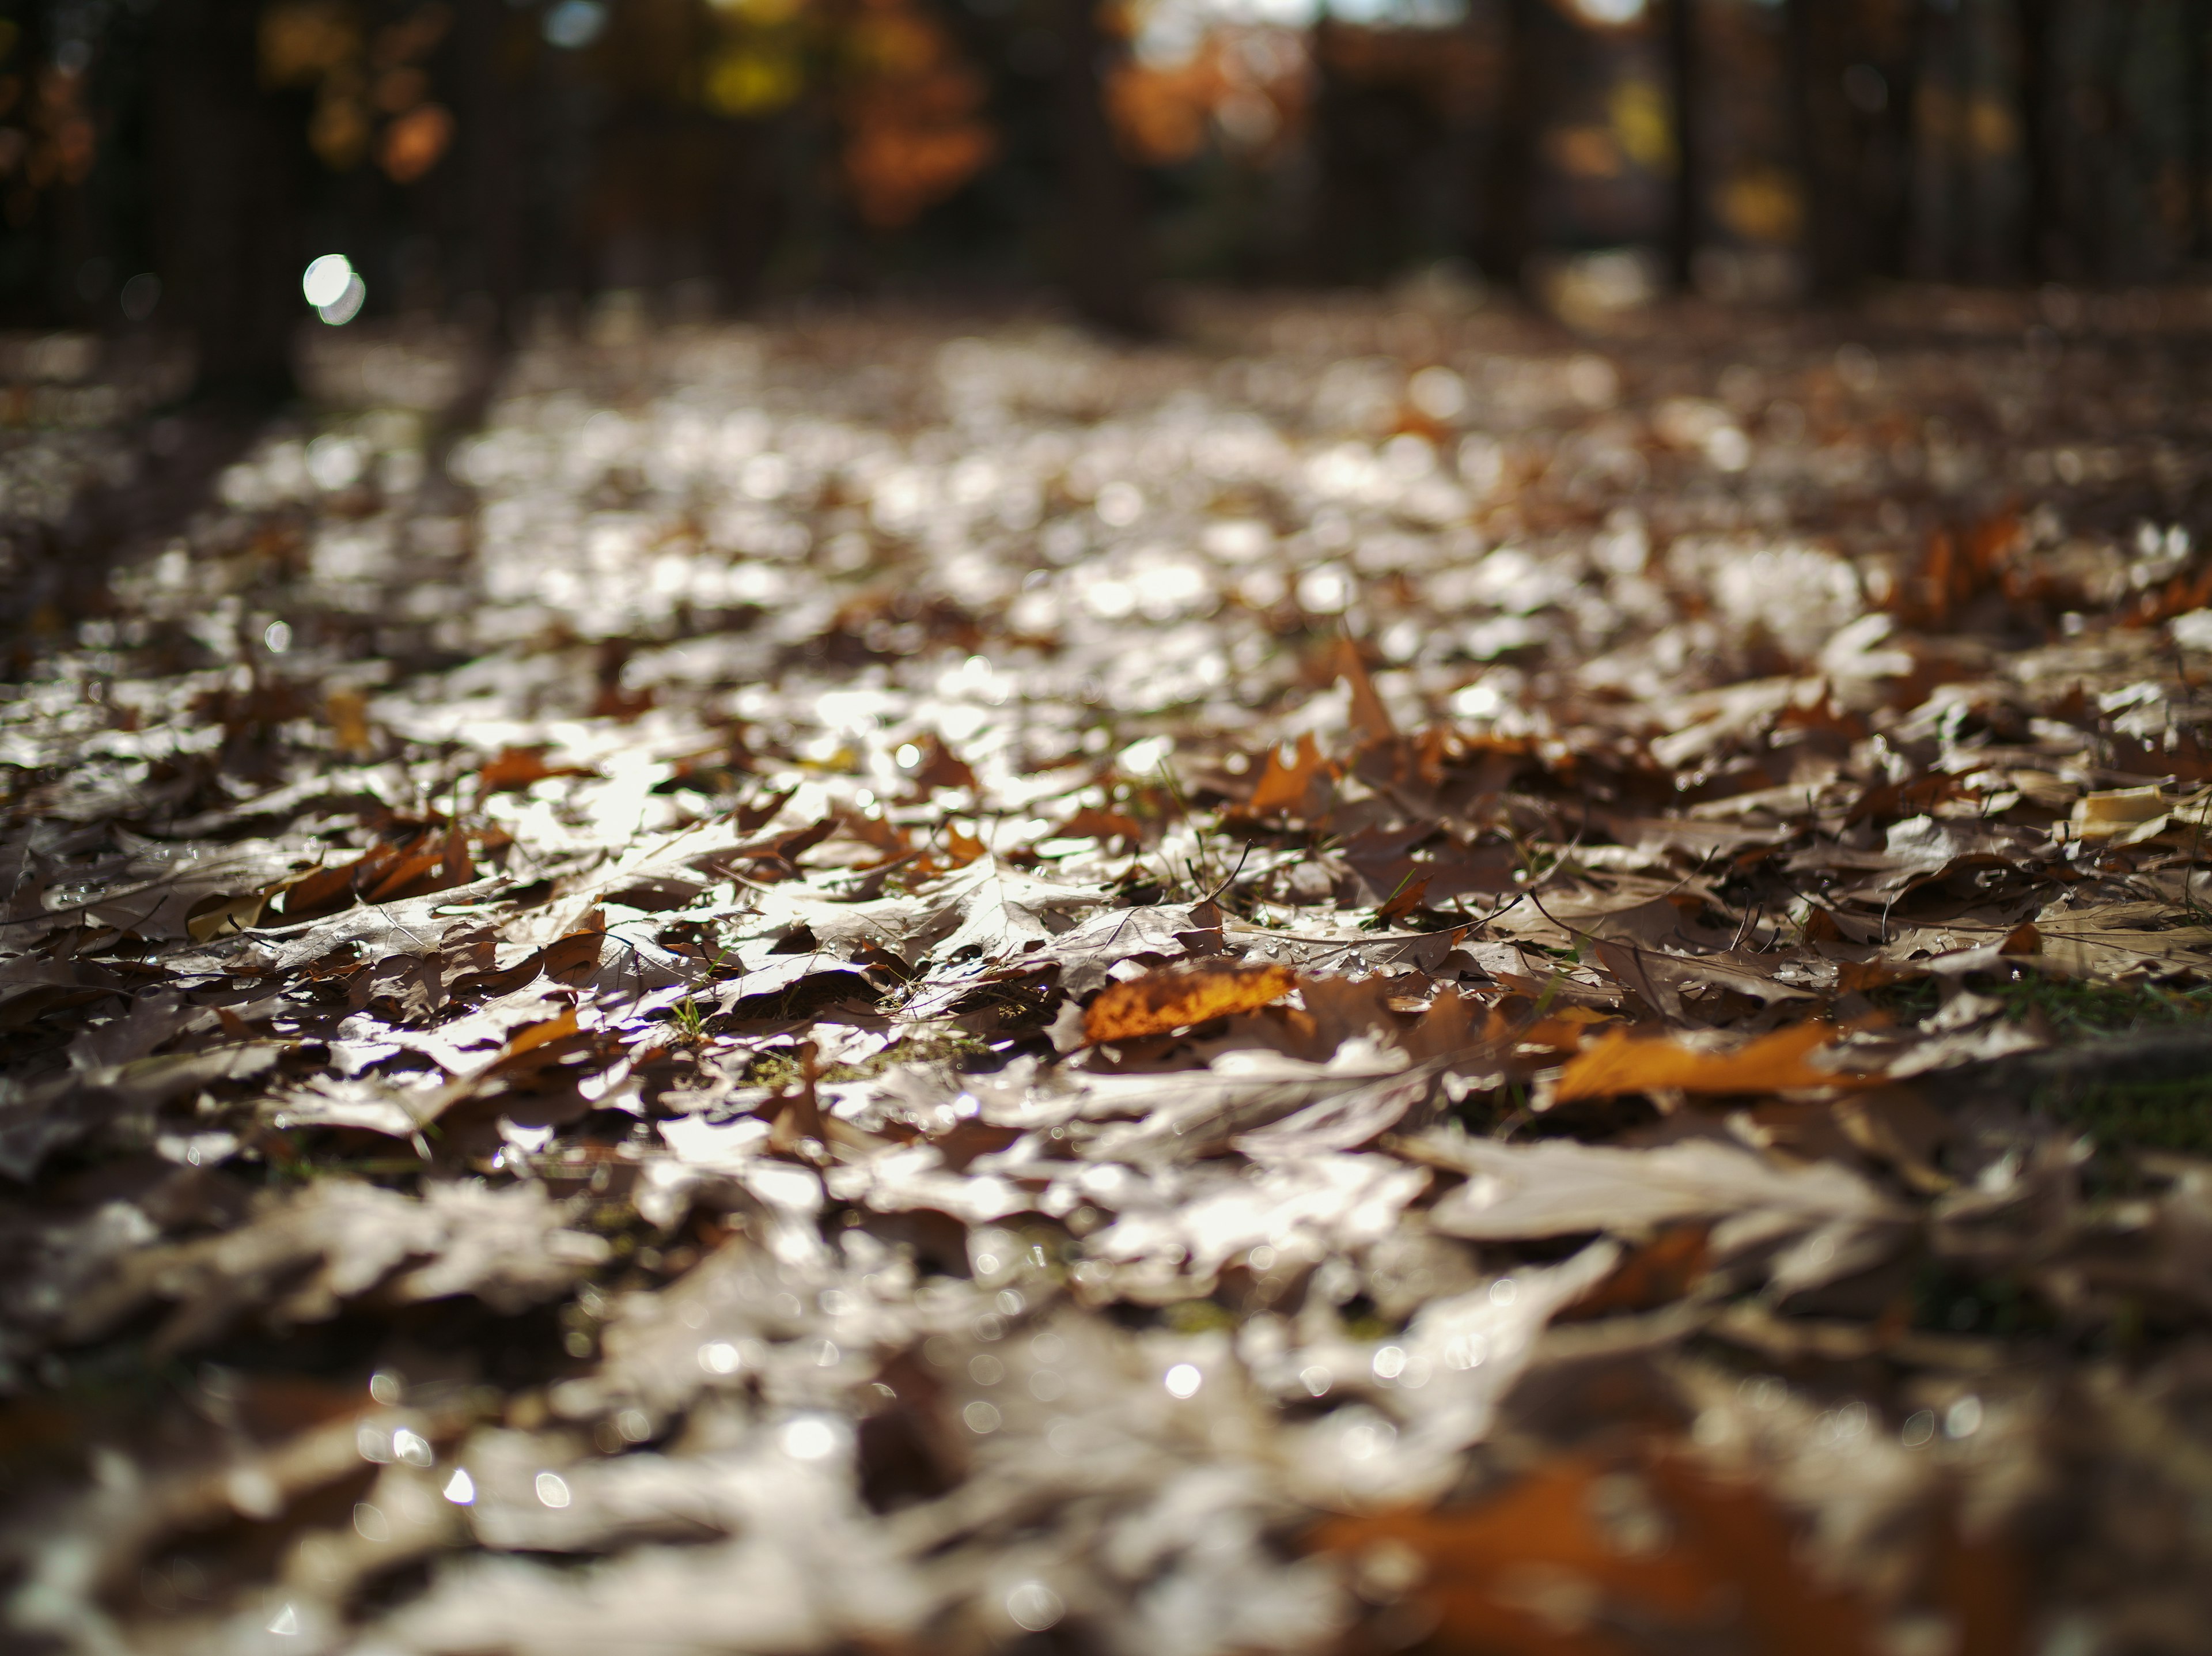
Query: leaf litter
x: 849, y: 986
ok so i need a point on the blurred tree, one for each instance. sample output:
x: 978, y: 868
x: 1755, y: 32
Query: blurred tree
x: 2042, y: 234
x: 2196, y: 127
x: 489, y: 55
x: 1685, y: 93
x: 1888, y: 86
x: 228, y: 158
x: 1505, y: 231
x: 1827, y: 144
x: 50, y: 149
x: 1103, y: 264
x: 912, y: 109
x: 2107, y: 137
x: 488, y: 150
x: 1380, y: 98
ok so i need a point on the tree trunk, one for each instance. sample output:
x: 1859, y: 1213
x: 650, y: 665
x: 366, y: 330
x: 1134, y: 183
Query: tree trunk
x: 1890, y: 228
x: 2040, y: 233
x: 1105, y: 269
x: 2111, y: 200
x: 1952, y: 234
x: 226, y: 160
x: 1824, y: 144
x: 491, y: 190
x: 1684, y: 216
x: 1507, y: 235
x: 1333, y: 248
x: 2197, y: 40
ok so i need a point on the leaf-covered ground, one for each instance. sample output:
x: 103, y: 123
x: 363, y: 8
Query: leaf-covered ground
x: 1380, y: 980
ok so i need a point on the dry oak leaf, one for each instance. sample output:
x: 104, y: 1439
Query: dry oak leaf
x: 1620, y: 1063
x: 1175, y: 997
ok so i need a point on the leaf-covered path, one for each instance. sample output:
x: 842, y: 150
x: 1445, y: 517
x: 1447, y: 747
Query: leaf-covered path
x: 1382, y: 976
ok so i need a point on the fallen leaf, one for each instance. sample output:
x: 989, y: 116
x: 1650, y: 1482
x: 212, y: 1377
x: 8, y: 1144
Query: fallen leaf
x: 1171, y: 998
x: 1299, y: 789
x: 1555, y: 1564
x: 2121, y: 813
x: 1619, y: 1062
x: 1560, y: 1188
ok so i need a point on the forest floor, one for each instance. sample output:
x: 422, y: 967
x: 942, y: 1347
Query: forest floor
x: 1382, y: 979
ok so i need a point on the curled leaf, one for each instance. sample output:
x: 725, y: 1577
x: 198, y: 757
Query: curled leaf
x: 2123, y: 813
x: 1621, y: 1062
x: 1176, y: 998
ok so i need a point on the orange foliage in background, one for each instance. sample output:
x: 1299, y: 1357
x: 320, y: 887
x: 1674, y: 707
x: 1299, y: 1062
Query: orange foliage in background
x: 47, y: 138
x: 1248, y: 87
x: 412, y: 144
x: 912, y: 111
x: 359, y: 76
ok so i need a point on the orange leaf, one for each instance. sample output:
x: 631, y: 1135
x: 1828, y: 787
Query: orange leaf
x: 1177, y: 997
x: 964, y: 848
x: 1286, y: 790
x: 1541, y: 1570
x: 1657, y: 1274
x: 1863, y: 975
x: 1621, y: 1062
x: 1482, y: 1564
x: 1563, y: 1032
x: 433, y: 862
x: 533, y: 1036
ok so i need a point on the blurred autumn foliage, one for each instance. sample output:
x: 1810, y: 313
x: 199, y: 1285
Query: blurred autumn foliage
x: 371, y: 95
x: 471, y: 155
x: 911, y: 107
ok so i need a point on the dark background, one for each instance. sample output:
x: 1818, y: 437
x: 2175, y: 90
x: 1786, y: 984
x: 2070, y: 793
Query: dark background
x: 489, y: 161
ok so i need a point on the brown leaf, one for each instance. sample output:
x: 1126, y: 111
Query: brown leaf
x: 573, y: 959
x: 751, y: 819
x: 433, y: 862
x: 346, y: 712
x: 537, y: 1035
x: 325, y: 890
x: 1369, y: 718
x: 516, y: 767
x: 1657, y: 1274
x: 1407, y: 898
x: 455, y: 867
x: 939, y: 767
x: 797, y: 1114
x: 1620, y: 1063
x: 1177, y: 997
